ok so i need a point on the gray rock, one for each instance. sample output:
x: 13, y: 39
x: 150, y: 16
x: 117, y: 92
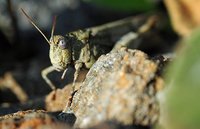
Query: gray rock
x: 120, y: 86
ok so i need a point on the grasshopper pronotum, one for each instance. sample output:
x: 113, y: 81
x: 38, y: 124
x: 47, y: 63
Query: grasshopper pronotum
x: 82, y: 48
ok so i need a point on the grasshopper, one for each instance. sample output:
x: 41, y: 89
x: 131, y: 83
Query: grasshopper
x: 82, y: 48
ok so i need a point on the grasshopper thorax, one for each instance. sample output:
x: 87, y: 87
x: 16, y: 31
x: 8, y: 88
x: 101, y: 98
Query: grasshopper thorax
x: 60, y: 52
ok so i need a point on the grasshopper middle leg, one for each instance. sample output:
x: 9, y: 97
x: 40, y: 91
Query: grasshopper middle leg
x: 78, y: 66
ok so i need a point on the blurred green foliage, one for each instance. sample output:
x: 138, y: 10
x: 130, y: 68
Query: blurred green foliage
x: 183, y: 86
x: 125, y: 5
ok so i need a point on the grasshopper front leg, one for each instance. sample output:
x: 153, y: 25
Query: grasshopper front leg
x: 44, y: 74
x: 48, y: 70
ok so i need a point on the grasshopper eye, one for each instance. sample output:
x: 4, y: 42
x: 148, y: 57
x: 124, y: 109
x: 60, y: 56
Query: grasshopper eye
x: 62, y: 44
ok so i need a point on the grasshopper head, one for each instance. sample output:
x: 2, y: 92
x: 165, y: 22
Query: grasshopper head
x: 60, y: 49
x: 60, y: 52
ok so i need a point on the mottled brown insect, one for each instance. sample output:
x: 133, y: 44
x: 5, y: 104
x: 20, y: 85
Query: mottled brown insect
x: 83, y: 47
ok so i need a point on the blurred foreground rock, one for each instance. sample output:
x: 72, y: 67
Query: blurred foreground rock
x: 31, y: 119
x: 120, y: 86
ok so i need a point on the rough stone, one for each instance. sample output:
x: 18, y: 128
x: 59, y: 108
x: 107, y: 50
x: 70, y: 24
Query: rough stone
x: 120, y: 86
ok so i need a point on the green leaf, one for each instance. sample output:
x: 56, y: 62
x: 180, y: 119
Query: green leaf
x: 183, y: 86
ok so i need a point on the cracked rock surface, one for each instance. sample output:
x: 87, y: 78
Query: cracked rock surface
x: 120, y: 86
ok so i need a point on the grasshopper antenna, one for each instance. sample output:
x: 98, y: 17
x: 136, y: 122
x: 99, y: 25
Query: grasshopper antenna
x: 31, y: 21
x: 53, y: 27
